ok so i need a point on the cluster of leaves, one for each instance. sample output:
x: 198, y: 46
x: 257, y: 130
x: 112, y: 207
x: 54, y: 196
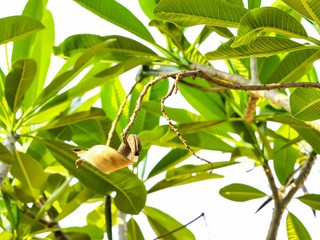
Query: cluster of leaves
x: 47, y: 118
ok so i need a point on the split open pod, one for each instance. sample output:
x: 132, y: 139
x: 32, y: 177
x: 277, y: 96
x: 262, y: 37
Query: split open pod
x: 108, y: 159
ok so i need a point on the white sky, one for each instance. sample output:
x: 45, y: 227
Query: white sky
x: 224, y: 219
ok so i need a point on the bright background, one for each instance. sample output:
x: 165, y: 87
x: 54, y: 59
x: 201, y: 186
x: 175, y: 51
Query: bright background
x: 224, y: 219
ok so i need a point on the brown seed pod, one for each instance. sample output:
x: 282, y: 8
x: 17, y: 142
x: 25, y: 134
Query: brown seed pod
x: 108, y: 159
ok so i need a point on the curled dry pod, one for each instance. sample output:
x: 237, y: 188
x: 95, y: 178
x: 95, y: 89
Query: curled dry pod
x: 108, y: 159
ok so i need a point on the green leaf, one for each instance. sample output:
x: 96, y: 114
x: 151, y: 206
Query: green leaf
x: 93, y: 113
x: 240, y: 192
x: 119, y: 50
x: 130, y: 191
x: 184, y: 178
x: 147, y: 6
x: 295, y: 228
x: 30, y: 174
x: 18, y: 81
x: 312, y: 200
x: 88, y: 133
x: 267, y: 19
x: 262, y: 47
x: 133, y: 230
x: 38, y: 47
x: 194, y: 12
x: 65, y: 77
x: 309, y: 8
x: 164, y: 136
x: 176, y: 114
x: 200, y: 100
x: 285, y: 155
x: 162, y: 223
x: 17, y: 27
x: 74, y: 202
x: 254, y: 4
x: 5, y: 235
x: 117, y: 14
x: 5, y: 155
x: 305, y: 104
x: 174, y: 157
x: 188, y: 169
x: 294, y: 66
x: 112, y: 96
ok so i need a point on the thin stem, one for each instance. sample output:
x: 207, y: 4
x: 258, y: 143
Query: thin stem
x: 174, y: 89
x: 108, y: 216
x: 139, y: 103
x: 120, y: 111
x: 179, y: 228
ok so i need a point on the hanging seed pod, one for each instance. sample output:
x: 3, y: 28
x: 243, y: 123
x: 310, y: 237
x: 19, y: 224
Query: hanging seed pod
x: 108, y: 159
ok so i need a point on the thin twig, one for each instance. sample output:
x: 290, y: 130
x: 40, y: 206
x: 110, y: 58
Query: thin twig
x: 120, y: 111
x: 179, y: 228
x: 174, y: 89
x: 139, y: 103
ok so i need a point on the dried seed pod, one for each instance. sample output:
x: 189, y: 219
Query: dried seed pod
x: 108, y: 159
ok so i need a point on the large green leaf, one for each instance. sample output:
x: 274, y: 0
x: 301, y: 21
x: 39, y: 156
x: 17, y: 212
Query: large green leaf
x: 38, y: 47
x: 112, y: 96
x: 295, y: 228
x: 117, y: 14
x: 240, y: 192
x: 308, y: 8
x: 292, y: 67
x: 130, y: 191
x: 195, y: 12
x: 188, y: 169
x: 185, y: 178
x: 312, y: 200
x: 200, y: 100
x: 285, y: 155
x: 164, y: 136
x: 163, y: 223
x: 178, y: 115
x: 65, y: 77
x: 172, y: 158
x: 93, y: 113
x: 305, y: 104
x: 18, y: 81
x: 267, y: 19
x: 17, y: 27
x: 119, y: 50
x: 88, y: 132
x: 30, y: 173
x: 262, y: 47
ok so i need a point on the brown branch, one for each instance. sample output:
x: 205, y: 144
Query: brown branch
x: 272, y: 183
x: 179, y: 228
x: 299, y: 181
x: 280, y: 206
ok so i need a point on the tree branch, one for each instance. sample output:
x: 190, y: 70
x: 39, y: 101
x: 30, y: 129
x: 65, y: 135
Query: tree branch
x: 280, y: 206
